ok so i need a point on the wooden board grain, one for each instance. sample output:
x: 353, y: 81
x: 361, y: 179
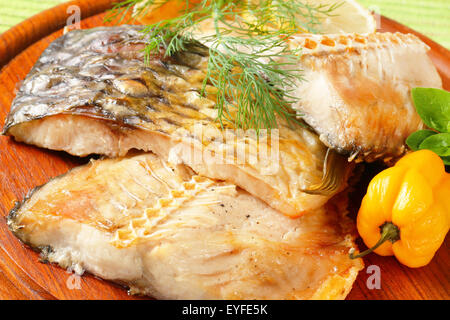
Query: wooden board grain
x: 23, y: 167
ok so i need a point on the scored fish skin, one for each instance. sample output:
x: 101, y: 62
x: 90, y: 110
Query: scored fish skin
x: 91, y: 93
x: 356, y: 88
x: 356, y: 92
x: 165, y: 232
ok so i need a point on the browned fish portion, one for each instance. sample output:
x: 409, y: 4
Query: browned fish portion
x: 357, y: 90
x: 168, y: 233
x: 90, y: 92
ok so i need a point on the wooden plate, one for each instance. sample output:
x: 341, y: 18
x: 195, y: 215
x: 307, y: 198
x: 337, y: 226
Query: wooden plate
x: 24, y: 167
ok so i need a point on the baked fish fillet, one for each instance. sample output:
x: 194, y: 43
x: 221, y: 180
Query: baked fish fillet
x: 168, y: 233
x: 357, y: 90
x: 91, y: 93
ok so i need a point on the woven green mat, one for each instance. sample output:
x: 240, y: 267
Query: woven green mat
x: 14, y: 11
x: 431, y: 17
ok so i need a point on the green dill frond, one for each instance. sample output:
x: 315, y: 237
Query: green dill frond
x: 249, y: 61
x: 252, y: 84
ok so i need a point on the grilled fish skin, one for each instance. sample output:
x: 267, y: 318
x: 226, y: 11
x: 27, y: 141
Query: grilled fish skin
x: 357, y: 90
x: 91, y: 93
x: 163, y: 231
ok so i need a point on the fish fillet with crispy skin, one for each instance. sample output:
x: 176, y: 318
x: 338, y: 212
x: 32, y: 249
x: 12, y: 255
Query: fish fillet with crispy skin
x: 356, y: 92
x: 168, y: 233
x: 91, y: 93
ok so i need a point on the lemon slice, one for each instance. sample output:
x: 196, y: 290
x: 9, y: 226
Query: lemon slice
x: 349, y: 17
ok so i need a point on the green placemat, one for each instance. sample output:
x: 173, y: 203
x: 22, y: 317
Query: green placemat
x: 431, y: 17
x: 13, y: 12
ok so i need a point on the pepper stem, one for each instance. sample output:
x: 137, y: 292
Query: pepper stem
x: 389, y: 231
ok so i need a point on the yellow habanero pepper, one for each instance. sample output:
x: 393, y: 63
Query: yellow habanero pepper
x: 406, y: 211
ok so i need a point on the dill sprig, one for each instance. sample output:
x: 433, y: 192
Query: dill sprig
x: 249, y: 61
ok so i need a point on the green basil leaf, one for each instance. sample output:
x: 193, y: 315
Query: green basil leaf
x: 416, y: 138
x: 433, y: 106
x: 446, y: 161
x: 439, y: 143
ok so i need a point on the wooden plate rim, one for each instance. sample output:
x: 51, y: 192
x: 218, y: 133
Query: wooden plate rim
x: 59, y: 14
